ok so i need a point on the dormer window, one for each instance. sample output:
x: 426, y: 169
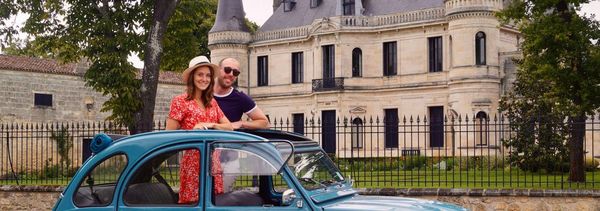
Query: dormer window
x: 288, y: 5
x: 314, y: 3
x: 348, y: 6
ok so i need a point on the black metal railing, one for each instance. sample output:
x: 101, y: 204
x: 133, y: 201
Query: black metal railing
x: 453, y: 152
x: 327, y: 84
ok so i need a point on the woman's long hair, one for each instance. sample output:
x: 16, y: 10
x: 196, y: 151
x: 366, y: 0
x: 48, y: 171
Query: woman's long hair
x: 206, y: 96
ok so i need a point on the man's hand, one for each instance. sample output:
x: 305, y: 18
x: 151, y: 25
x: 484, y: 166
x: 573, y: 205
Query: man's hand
x: 237, y: 125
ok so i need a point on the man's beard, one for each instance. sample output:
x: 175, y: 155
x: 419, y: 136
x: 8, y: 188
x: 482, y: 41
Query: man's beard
x: 223, y: 85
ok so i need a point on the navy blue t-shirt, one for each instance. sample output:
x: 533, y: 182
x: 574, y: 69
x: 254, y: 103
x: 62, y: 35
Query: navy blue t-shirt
x: 235, y: 104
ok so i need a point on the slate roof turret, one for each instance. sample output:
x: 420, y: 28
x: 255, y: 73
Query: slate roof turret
x: 230, y: 17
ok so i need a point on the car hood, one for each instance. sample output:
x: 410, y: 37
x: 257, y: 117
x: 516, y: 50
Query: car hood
x: 390, y: 204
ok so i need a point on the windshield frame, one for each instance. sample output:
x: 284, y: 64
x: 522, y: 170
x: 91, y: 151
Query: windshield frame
x: 274, y: 142
x: 342, y: 182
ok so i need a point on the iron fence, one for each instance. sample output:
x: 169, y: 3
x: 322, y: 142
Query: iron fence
x: 456, y: 152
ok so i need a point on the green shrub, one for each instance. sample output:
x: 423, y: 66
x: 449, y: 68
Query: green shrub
x: 591, y: 164
x: 414, y: 162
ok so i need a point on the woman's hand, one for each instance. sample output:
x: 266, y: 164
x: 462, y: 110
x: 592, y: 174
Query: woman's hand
x: 204, y: 126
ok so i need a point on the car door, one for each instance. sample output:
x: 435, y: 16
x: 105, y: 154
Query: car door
x: 251, y: 179
x: 158, y: 180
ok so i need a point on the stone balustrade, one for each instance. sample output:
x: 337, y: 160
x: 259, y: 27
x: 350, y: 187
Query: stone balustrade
x: 461, y: 6
x: 227, y: 37
x: 352, y: 22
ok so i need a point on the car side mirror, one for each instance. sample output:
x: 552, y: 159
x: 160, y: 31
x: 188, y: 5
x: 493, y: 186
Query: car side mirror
x: 288, y: 197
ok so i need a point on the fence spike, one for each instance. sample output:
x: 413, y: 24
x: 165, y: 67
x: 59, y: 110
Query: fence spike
x: 404, y: 119
x: 338, y: 121
x: 377, y: 119
x: 411, y: 119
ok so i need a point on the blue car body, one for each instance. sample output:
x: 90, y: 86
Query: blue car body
x: 268, y: 146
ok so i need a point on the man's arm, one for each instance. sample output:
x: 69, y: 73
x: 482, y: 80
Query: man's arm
x: 259, y: 120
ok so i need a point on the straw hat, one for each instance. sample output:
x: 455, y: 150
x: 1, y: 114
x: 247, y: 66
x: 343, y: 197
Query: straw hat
x: 196, y: 62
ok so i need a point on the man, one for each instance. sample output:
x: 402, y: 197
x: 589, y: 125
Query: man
x: 235, y: 103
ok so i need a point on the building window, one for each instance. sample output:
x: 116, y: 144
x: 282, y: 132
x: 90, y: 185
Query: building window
x: 389, y: 59
x: 391, y: 128
x: 288, y: 5
x: 263, y: 71
x: 328, y: 66
x: 481, y: 128
x: 356, y: 62
x: 357, y: 131
x: 297, y: 67
x: 435, y: 54
x: 298, y: 120
x: 314, y: 3
x: 348, y: 7
x: 480, y: 48
x: 436, y: 126
x: 43, y: 100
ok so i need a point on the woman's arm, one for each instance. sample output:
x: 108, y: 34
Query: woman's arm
x: 172, y: 124
x: 223, y: 124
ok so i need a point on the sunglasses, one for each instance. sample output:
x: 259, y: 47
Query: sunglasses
x: 228, y: 70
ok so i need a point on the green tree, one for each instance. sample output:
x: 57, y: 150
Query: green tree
x: 558, y: 75
x: 103, y: 32
x: 187, y: 36
x: 107, y: 38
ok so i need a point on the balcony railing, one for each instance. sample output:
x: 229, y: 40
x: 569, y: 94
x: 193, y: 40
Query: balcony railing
x: 327, y: 84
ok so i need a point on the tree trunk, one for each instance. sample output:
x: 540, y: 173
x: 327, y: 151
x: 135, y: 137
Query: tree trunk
x: 144, y: 119
x: 577, y: 134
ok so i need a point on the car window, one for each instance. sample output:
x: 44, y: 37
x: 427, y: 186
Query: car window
x: 242, y: 178
x: 169, y: 178
x: 98, y: 186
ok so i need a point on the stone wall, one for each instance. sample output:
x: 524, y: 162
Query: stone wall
x: 43, y: 198
x: 71, y: 99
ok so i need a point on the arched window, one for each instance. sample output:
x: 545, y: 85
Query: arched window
x: 480, y: 48
x: 356, y: 62
x: 357, y: 132
x: 481, y: 128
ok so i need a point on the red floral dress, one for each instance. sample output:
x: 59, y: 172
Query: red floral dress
x: 189, y: 113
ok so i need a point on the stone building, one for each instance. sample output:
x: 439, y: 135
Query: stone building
x: 43, y: 90
x: 387, y: 58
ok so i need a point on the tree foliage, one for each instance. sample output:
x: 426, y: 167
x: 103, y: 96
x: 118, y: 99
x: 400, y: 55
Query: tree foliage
x: 104, y: 33
x: 558, y: 82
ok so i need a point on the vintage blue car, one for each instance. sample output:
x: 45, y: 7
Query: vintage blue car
x: 259, y: 170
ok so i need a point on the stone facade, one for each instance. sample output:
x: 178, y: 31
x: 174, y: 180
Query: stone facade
x: 72, y: 101
x: 504, y: 200
x: 463, y: 86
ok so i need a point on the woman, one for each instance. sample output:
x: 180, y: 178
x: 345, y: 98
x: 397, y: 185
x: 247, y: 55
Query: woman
x: 196, y: 109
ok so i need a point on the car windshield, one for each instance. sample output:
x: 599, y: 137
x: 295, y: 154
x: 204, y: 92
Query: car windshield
x: 315, y: 170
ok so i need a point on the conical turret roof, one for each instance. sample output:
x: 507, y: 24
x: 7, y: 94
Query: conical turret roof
x: 230, y: 17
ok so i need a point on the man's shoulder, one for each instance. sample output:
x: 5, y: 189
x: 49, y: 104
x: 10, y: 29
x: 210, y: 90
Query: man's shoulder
x: 239, y: 94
